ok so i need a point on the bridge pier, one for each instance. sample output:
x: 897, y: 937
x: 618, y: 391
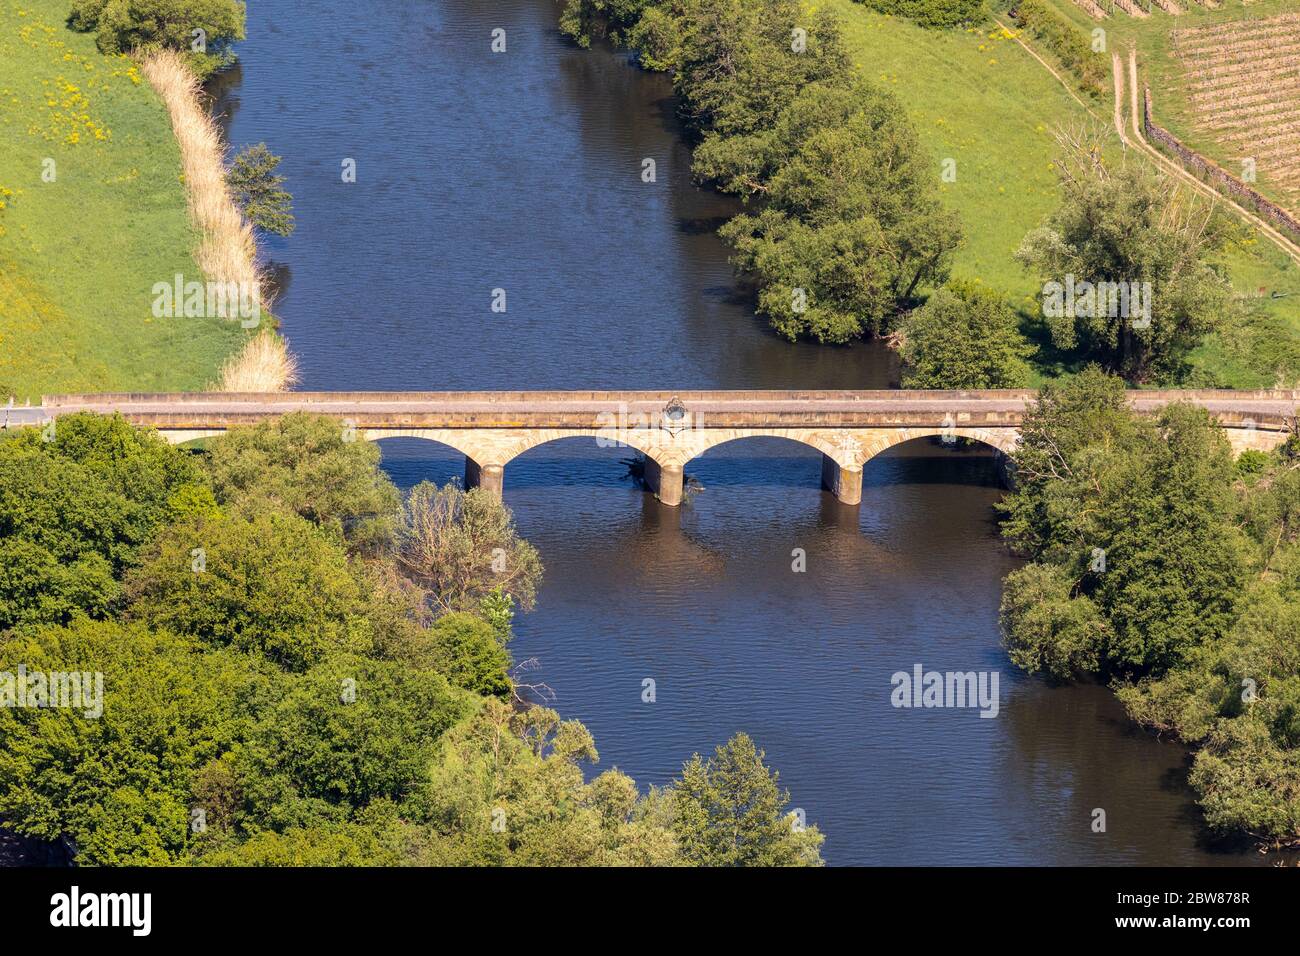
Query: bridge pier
x: 488, y: 477
x: 844, y: 483
x: 665, y: 481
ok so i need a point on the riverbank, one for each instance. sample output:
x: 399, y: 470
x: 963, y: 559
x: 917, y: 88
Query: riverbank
x: 227, y: 245
x: 977, y: 96
x: 94, y: 215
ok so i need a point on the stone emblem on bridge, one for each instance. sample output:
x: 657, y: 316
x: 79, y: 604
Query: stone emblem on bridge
x: 675, y: 417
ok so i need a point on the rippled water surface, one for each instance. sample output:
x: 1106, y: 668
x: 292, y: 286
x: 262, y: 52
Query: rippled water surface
x: 521, y: 171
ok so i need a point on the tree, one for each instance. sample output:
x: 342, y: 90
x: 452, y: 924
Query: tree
x: 1047, y: 627
x: 76, y: 505
x: 308, y: 465
x: 269, y: 583
x: 736, y: 66
x: 465, y: 649
x: 121, y: 27
x: 850, y: 227
x: 370, y: 843
x: 965, y: 336
x: 257, y: 190
x: 729, y: 811
x: 507, y: 788
x: 333, y: 741
x: 461, y: 546
x: 1048, y: 515
x: 117, y: 785
x: 588, y: 20
x: 1137, y: 515
x: 1238, y: 698
x: 1131, y: 229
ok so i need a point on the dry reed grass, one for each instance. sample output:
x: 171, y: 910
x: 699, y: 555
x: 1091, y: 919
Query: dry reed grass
x: 263, y: 365
x: 227, y: 249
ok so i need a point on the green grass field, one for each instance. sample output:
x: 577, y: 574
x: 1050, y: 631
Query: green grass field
x: 980, y: 99
x: 79, y: 255
x: 977, y: 97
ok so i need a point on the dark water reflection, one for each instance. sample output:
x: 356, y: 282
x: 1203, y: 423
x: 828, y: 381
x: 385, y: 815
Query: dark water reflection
x: 522, y: 171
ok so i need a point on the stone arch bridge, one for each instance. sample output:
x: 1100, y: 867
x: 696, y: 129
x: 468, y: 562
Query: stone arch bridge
x: 669, y: 429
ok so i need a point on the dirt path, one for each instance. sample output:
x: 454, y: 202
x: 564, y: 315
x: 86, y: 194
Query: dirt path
x: 1138, y: 141
x: 1046, y: 66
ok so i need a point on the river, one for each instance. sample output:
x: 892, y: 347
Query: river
x: 478, y: 171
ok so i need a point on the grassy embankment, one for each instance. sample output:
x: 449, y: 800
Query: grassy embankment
x: 978, y: 97
x: 79, y: 255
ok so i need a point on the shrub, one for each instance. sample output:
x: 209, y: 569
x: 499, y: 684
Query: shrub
x: 121, y: 26
x: 965, y: 336
x: 931, y: 13
x: 1076, y: 55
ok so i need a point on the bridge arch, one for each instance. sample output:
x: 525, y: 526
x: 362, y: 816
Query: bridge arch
x: 449, y: 438
x: 411, y: 456
x: 827, y: 444
x: 1003, y: 440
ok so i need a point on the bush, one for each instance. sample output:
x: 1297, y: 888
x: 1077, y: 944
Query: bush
x: 965, y: 336
x: 931, y: 13
x: 1076, y: 55
x: 121, y: 26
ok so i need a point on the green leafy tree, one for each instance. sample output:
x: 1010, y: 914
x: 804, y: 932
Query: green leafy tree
x: 965, y: 336
x: 730, y: 811
x: 116, y: 786
x: 1133, y: 227
x: 589, y: 20
x: 850, y: 227
x: 465, y: 648
x: 1137, y: 514
x: 461, y: 546
x: 347, y: 733
x: 308, y: 465
x: 121, y: 26
x: 368, y: 843
x: 269, y: 583
x: 76, y: 505
x: 735, y: 65
x: 1238, y: 699
x: 259, y: 192
x: 506, y: 788
x: 1049, y: 628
